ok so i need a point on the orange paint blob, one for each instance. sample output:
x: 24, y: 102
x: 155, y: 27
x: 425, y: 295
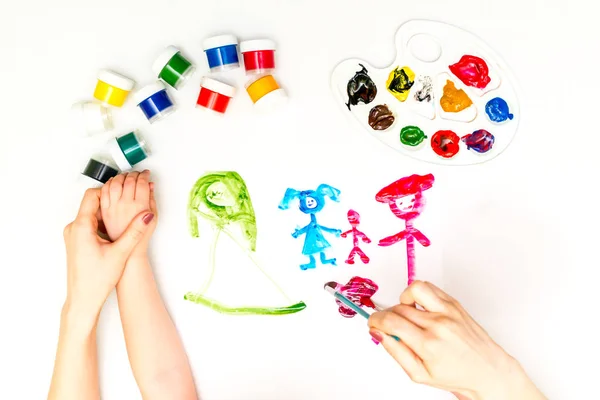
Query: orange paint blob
x: 454, y: 100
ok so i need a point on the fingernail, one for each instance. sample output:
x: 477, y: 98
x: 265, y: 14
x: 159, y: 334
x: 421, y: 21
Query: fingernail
x: 376, y: 335
x: 148, y: 218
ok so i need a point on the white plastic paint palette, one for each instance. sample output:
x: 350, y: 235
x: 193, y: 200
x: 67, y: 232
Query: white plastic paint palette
x: 428, y: 49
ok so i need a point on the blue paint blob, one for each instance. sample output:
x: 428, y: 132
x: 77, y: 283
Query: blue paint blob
x: 222, y: 56
x: 480, y: 141
x: 156, y: 105
x: 497, y: 110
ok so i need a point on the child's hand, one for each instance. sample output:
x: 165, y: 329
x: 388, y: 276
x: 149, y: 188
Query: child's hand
x: 124, y: 197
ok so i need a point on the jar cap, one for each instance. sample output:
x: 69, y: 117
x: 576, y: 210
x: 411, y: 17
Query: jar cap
x: 148, y: 91
x: 271, y: 100
x: 219, y: 41
x: 257, y: 45
x: 163, y: 59
x: 114, y: 79
x: 117, y: 155
x: 218, y: 86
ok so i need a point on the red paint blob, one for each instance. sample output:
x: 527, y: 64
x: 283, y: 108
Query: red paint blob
x: 259, y: 60
x: 472, y: 71
x: 445, y: 143
x: 213, y: 100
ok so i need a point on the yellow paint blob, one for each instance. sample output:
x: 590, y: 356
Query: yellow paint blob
x: 109, y: 94
x: 261, y: 87
x: 454, y: 100
x: 399, y: 82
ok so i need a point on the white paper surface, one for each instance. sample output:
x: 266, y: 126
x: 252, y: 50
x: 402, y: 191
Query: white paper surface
x: 513, y: 239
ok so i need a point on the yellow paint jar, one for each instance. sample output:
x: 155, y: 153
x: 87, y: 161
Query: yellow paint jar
x: 112, y: 88
x: 265, y: 93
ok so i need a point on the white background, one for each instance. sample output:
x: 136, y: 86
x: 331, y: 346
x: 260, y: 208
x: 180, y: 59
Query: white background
x: 513, y: 239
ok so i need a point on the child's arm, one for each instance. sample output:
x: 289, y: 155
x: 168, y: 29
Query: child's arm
x: 156, y: 354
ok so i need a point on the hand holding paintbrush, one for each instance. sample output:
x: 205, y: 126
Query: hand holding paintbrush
x: 442, y: 346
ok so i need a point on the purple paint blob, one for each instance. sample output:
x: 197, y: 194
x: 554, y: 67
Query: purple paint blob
x: 480, y: 141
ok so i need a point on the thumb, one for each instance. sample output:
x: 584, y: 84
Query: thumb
x: 134, y: 233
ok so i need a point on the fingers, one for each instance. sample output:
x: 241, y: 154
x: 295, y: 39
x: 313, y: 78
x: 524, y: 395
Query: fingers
x: 423, y: 294
x: 152, y: 199
x: 422, y: 319
x: 134, y: 233
x: 391, y: 323
x: 142, y: 189
x: 90, y: 203
x: 129, y: 185
x: 116, y: 188
x: 408, y: 360
x: 105, y: 195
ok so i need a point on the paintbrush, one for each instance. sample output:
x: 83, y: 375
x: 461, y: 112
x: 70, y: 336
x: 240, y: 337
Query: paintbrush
x: 330, y: 287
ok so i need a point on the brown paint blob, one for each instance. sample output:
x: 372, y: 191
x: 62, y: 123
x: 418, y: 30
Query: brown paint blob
x: 381, y: 117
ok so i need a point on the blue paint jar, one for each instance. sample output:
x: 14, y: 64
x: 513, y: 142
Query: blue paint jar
x: 154, y: 101
x: 221, y: 52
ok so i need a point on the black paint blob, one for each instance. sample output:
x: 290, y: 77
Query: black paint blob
x: 361, y: 88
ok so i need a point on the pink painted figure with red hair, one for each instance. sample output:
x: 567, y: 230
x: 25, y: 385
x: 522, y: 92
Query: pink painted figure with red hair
x: 359, y: 291
x: 406, y: 201
x: 354, y: 219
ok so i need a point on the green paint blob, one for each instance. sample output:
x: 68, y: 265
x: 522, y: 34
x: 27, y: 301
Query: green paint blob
x: 220, y: 307
x: 133, y: 148
x: 222, y: 199
x: 176, y: 70
x: 412, y: 135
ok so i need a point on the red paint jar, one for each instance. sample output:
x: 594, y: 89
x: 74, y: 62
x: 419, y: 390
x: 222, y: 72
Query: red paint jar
x: 214, y: 95
x: 259, y: 56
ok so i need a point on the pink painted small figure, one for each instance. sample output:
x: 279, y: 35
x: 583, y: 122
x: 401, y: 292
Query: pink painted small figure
x: 406, y: 201
x: 354, y: 219
x: 359, y: 291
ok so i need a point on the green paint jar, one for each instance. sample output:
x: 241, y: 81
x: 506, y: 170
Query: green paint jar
x: 128, y: 150
x: 173, y: 68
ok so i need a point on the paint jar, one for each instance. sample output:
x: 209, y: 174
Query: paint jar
x: 91, y: 117
x: 221, y: 52
x: 215, y: 95
x: 265, y: 93
x: 112, y: 88
x: 154, y: 101
x: 128, y: 150
x: 100, y: 169
x: 172, y: 68
x: 259, y: 56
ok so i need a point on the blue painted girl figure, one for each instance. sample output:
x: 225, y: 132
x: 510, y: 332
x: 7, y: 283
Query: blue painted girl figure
x: 311, y: 202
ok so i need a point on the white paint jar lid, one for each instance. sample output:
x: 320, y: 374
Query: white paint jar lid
x: 219, y: 41
x: 163, y: 59
x: 117, y: 80
x: 117, y: 155
x: 271, y: 100
x: 148, y: 91
x: 218, y: 86
x: 257, y: 45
